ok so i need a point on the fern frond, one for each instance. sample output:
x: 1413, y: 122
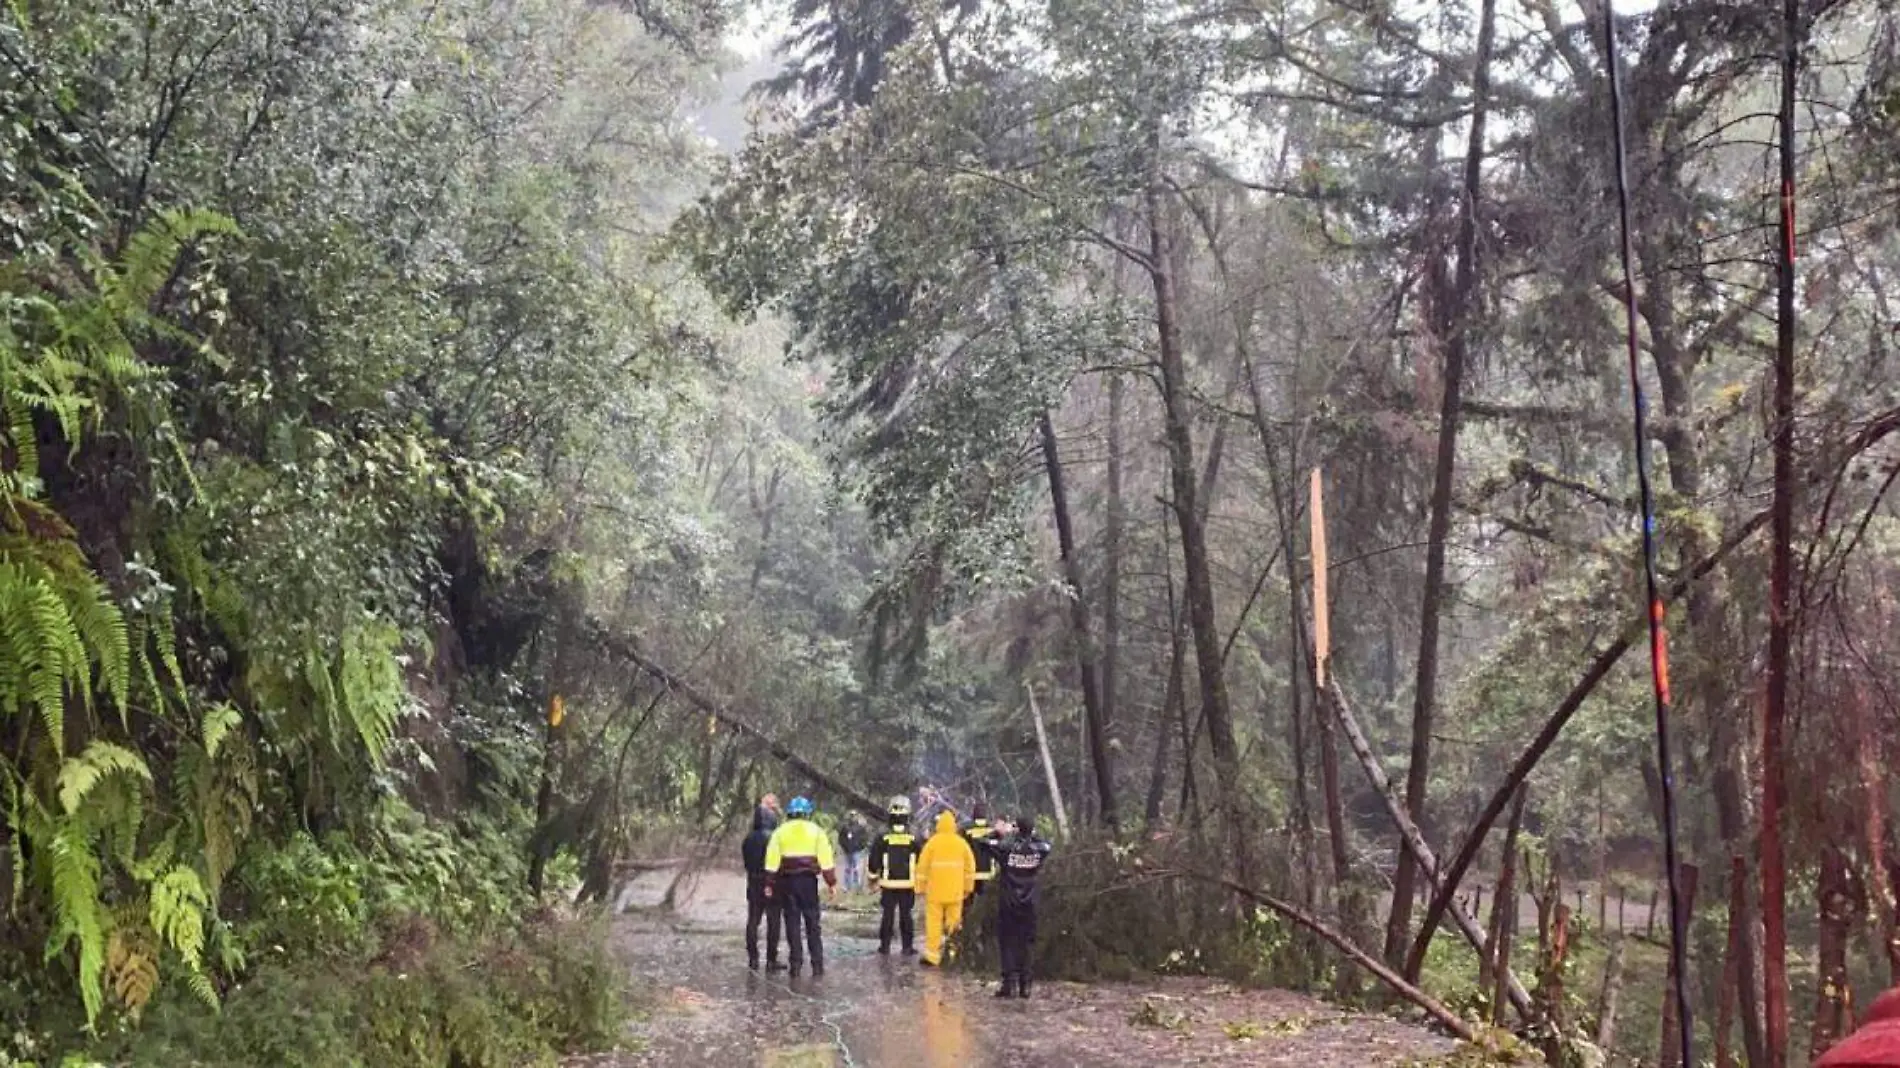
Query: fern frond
x: 131, y: 971
x: 77, y: 912
x: 219, y: 720
x: 200, y: 984
x: 179, y: 906
x: 149, y: 256
x: 101, y: 627
x: 79, y: 775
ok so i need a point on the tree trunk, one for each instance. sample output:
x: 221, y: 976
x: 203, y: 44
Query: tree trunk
x: 1495, y: 955
x: 1171, y: 710
x: 1554, y: 954
x: 1453, y: 328
x: 1774, y: 894
x: 1413, y: 839
x: 1836, y: 915
x: 1209, y: 643
x: 1727, y: 996
x: 1048, y: 763
x: 1671, y: 1025
x: 1112, y: 537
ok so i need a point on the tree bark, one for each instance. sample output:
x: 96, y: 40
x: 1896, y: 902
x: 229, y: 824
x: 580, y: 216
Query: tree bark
x: 1454, y: 318
x: 1095, y: 720
x: 1171, y: 705
x: 1729, y: 993
x: 1774, y: 894
x: 1836, y: 906
x: 1495, y: 953
x: 1445, y: 1017
x: 1671, y: 1056
x: 1413, y: 839
x: 1048, y: 764
x: 1209, y: 643
x: 1115, y: 525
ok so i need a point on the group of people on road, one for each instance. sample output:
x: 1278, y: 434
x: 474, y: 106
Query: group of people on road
x: 784, y: 861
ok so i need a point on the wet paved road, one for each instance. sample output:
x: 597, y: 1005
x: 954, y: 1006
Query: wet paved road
x: 870, y: 1011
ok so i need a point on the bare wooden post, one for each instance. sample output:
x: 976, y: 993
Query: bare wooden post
x: 1048, y: 763
x: 1649, y: 929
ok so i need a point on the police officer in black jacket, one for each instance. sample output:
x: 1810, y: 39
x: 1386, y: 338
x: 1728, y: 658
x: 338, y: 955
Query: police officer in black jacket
x: 756, y: 903
x: 1019, y: 856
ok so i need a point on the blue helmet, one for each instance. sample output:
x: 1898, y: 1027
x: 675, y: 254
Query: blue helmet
x: 800, y: 806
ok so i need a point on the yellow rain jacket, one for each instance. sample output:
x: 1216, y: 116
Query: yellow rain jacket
x: 946, y: 870
x: 946, y: 874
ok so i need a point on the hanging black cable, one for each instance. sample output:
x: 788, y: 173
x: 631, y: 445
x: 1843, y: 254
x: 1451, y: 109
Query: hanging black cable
x: 1658, y: 636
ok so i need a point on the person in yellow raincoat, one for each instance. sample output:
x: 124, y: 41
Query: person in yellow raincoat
x: 946, y: 874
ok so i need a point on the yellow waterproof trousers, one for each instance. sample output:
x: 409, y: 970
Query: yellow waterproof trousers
x: 940, y: 922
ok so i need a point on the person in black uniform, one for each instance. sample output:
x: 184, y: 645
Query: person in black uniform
x: 978, y: 832
x: 894, y: 870
x: 757, y: 905
x: 1019, y: 856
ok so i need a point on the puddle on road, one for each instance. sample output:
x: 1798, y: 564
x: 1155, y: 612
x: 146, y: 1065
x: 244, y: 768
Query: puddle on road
x: 800, y: 1057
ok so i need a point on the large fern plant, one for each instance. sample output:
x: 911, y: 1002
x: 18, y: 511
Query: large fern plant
x: 112, y: 888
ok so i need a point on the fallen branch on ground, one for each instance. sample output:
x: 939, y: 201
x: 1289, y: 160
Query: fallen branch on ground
x: 1431, y: 1005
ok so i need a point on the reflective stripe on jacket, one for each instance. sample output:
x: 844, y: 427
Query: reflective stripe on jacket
x: 978, y: 832
x: 894, y: 859
x: 799, y: 847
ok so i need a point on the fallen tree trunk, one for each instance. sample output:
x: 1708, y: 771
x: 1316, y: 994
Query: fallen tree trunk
x: 627, y: 649
x: 1431, y: 1005
x: 1415, y: 842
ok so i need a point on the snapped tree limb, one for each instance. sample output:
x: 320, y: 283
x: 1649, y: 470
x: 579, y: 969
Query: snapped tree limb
x: 627, y: 649
x: 1415, y: 839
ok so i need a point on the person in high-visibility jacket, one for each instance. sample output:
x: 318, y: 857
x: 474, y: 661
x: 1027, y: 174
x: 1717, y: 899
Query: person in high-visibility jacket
x: 946, y: 874
x: 798, y: 854
x: 894, y: 870
x: 978, y: 832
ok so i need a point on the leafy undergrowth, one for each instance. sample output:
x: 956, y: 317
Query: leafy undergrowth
x: 550, y: 989
x: 1111, y: 911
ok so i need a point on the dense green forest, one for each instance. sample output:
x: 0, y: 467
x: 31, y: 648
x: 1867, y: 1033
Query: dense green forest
x: 434, y: 475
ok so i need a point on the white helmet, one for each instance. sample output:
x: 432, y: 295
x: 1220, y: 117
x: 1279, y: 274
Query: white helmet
x: 900, y: 805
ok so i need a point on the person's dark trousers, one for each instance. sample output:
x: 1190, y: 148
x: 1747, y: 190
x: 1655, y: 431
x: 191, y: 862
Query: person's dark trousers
x: 898, y: 905
x: 1016, y: 931
x: 758, y: 906
x: 801, y: 910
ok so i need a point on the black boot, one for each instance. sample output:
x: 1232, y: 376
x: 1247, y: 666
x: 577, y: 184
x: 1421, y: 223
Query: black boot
x: 773, y: 967
x: 752, y: 962
x: 883, y: 949
x: 1022, y: 985
x: 1008, y: 989
x: 817, y: 969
